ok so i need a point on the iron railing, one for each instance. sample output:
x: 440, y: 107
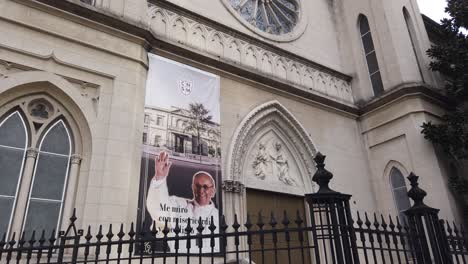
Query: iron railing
x: 332, y: 235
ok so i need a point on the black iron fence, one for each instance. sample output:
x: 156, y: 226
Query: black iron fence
x: 330, y: 235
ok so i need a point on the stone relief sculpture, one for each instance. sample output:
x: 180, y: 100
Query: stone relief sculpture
x: 260, y: 163
x: 274, y: 164
x: 282, y: 165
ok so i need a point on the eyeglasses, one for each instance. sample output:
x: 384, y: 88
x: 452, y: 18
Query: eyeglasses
x: 205, y: 187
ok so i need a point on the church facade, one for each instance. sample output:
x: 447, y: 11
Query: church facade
x: 347, y: 78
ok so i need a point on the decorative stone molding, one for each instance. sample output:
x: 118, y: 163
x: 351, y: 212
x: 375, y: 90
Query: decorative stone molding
x: 233, y: 186
x: 75, y: 159
x: 272, y: 117
x: 249, y: 53
x: 88, y: 90
x: 32, y: 153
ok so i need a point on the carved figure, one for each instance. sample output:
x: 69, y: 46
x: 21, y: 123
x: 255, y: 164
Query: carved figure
x: 260, y: 164
x: 282, y: 165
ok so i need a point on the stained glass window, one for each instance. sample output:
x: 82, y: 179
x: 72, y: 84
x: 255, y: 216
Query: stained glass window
x: 272, y: 16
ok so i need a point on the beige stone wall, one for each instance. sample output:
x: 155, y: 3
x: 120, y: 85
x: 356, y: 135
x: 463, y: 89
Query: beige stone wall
x: 97, y: 73
x: 132, y: 11
x: 334, y: 134
x: 393, y: 138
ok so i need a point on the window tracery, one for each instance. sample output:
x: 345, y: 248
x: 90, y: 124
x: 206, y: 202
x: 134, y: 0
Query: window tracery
x: 271, y: 16
x: 36, y: 159
x: 279, y: 20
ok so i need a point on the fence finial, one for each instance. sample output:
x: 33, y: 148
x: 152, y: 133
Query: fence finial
x: 322, y: 176
x: 415, y: 193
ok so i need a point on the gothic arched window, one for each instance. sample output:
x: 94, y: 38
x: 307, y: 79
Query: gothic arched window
x: 413, y: 39
x: 13, y: 144
x: 400, y: 193
x: 49, y: 179
x: 371, y: 56
x: 36, y: 164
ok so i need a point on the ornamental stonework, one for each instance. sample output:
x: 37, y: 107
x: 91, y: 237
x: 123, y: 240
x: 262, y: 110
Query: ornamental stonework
x: 198, y: 35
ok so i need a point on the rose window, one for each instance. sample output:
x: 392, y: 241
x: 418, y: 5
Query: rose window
x: 276, y: 17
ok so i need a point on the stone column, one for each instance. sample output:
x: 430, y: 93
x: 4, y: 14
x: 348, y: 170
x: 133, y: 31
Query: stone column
x: 69, y: 204
x: 23, y: 191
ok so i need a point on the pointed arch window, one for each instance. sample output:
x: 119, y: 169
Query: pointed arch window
x: 413, y: 39
x: 400, y: 192
x: 49, y: 180
x: 371, y: 56
x: 13, y: 144
x: 38, y: 164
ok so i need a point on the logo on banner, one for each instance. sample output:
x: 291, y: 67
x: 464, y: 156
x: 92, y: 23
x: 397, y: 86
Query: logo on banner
x: 186, y: 87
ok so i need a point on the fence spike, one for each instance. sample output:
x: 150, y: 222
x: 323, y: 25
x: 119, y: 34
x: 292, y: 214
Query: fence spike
x: 52, y: 238
x: 200, y: 226
x: 99, y: 235
x: 73, y: 217
x: 248, y: 222
x: 177, y: 229
x: 188, y: 228
x: 22, y: 240
x: 32, y: 240
x: 42, y: 239
x: 88, y: 235
x: 224, y: 225
x: 367, y: 222
x: 154, y: 230
x: 212, y: 226
x: 273, y: 222
x: 121, y: 233
x: 260, y: 222
x: 236, y: 224
x: 285, y: 221
x: 391, y: 225
x: 376, y: 222
x: 298, y: 220
x: 110, y: 235
x: 359, y: 221
x: 132, y: 233
x: 384, y: 224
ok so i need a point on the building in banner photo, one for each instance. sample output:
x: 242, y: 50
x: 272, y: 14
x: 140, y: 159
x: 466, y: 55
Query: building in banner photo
x: 168, y: 129
x: 155, y: 111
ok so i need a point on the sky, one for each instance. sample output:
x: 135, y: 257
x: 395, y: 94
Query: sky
x: 433, y: 8
x: 165, y: 88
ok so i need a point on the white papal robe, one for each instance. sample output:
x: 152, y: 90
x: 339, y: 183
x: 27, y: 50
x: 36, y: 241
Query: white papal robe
x: 161, y: 206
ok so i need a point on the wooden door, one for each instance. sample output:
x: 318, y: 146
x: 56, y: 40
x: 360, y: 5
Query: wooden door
x: 268, y: 202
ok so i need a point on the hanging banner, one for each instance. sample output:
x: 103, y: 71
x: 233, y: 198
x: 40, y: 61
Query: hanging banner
x: 180, y: 167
